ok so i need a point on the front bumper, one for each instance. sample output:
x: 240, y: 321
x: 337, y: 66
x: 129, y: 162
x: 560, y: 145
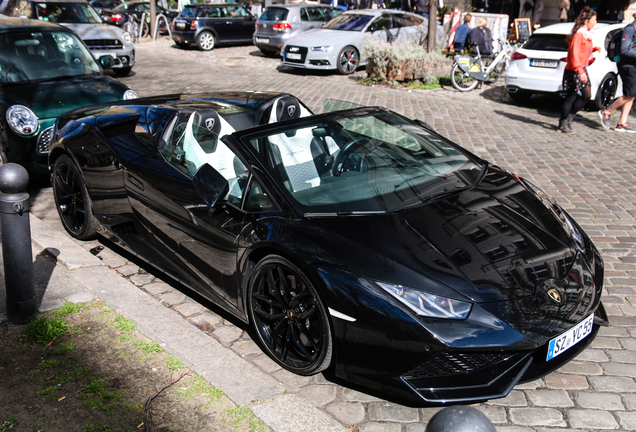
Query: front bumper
x: 121, y: 58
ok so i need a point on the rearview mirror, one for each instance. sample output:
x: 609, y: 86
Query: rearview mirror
x: 210, y: 185
x: 106, y: 61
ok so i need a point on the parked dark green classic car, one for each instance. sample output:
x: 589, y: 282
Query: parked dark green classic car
x: 45, y: 70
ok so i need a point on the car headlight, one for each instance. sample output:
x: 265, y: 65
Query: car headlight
x: 326, y: 48
x: 428, y: 305
x: 127, y: 37
x: 22, y: 120
x: 129, y: 94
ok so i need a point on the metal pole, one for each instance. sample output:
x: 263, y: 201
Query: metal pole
x: 16, y: 244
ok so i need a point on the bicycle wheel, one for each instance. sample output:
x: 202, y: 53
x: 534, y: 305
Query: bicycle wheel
x: 500, y: 69
x: 461, y: 80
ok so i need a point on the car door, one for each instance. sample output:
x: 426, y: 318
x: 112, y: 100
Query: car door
x: 214, y: 18
x: 381, y: 29
x: 201, y: 241
x: 240, y: 23
x: 312, y: 17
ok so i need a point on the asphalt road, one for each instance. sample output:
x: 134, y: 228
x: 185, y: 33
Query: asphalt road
x: 592, y: 174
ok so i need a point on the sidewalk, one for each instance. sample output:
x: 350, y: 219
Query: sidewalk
x: 66, y: 272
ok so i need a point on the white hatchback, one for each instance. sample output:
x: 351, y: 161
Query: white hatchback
x: 537, y: 67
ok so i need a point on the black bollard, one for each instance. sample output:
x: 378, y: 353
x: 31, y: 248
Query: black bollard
x: 22, y: 304
x: 460, y: 419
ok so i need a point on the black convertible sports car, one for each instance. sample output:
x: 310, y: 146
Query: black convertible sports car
x: 356, y: 239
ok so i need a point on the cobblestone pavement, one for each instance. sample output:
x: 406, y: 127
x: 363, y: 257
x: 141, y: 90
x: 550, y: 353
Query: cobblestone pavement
x: 592, y: 174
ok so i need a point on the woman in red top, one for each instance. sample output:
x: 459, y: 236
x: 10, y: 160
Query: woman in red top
x: 575, y: 76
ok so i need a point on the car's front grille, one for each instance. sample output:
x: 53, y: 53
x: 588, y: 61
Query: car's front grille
x: 454, y: 363
x: 104, y: 44
x: 295, y: 54
x: 44, y: 141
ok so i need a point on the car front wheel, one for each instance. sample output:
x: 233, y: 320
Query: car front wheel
x: 348, y: 60
x: 289, y: 317
x: 206, y: 41
x: 606, y: 92
x: 72, y: 201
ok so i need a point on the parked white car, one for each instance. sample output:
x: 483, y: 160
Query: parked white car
x: 339, y: 43
x: 537, y: 67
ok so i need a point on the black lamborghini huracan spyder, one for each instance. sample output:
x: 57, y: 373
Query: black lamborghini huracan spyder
x: 356, y: 239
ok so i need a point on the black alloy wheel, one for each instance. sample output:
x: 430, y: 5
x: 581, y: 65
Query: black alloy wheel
x: 289, y: 317
x: 72, y: 201
x: 606, y: 92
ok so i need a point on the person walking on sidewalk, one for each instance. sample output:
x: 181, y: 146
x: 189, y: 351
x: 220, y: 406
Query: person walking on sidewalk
x: 627, y: 70
x: 575, y: 77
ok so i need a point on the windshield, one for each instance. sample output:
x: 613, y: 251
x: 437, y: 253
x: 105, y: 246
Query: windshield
x: 362, y: 160
x: 349, y: 22
x: 67, y: 13
x: 34, y: 56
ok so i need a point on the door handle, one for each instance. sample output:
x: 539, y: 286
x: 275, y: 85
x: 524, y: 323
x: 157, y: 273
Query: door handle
x: 228, y: 22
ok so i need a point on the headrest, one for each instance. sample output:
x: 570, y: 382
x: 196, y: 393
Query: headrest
x: 208, y: 130
x: 287, y: 108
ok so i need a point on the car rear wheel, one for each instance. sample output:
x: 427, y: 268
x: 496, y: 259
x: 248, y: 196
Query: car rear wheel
x: 289, y: 317
x: 606, y: 92
x: 348, y: 60
x: 206, y: 41
x: 461, y: 80
x: 72, y: 201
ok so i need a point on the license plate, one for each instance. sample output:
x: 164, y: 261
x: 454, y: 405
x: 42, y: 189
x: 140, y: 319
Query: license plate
x: 544, y: 63
x: 293, y: 56
x: 262, y: 40
x: 567, y: 340
x: 180, y: 25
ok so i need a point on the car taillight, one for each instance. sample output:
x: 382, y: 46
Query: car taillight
x: 193, y: 25
x: 517, y: 56
x: 256, y: 24
x: 116, y: 17
x: 564, y: 59
x: 592, y: 60
x: 282, y: 26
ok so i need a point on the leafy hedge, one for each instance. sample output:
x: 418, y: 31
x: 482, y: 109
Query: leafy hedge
x: 404, y: 62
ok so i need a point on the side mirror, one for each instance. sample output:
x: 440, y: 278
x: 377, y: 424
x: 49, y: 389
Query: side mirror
x: 106, y: 61
x: 210, y: 185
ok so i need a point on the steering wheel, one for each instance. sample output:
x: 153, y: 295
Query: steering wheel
x: 344, y: 153
x: 55, y: 64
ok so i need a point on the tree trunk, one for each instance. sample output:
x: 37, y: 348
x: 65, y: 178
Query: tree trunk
x: 432, y: 25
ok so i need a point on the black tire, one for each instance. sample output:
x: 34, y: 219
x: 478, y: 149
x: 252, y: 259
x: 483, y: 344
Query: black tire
x: 268, y: 53
x: 72, y: 201
x: 289, y: 317
x: 348, y: 60
x: 206, y: 41
x: 122, y: 71
x: 520, y: 96
x: 461, y: 80
x: 606, y: 92
x: 182, y: 45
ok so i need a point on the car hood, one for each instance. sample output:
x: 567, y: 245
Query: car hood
x: 325, y: 37
x: 489, y: 244
x: 96, y: 31
x: 51, y: 99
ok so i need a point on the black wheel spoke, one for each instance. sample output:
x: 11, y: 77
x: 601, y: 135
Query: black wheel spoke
x: 288, y: 317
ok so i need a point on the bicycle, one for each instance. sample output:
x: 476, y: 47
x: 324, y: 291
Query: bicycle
x: 467, y: 71
x: 132, y: 26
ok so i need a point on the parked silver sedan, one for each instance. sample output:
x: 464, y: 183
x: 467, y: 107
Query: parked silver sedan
x: 339, y: 43
x: 280, y: 22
